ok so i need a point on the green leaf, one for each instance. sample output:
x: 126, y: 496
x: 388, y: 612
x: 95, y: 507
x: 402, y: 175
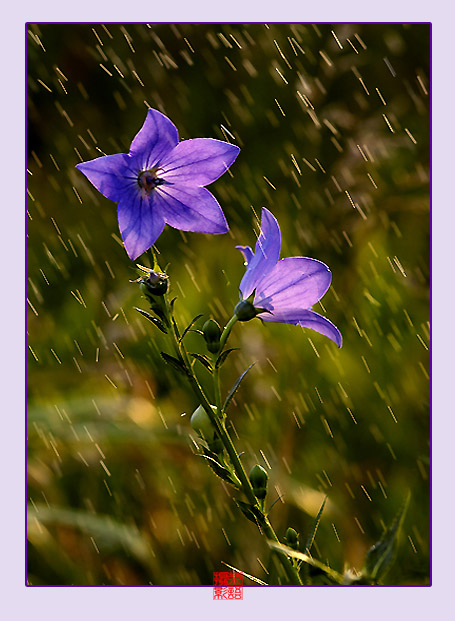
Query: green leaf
x: 329, y: 573
x: 174, y: 362
x: 221, y: 471
x: 239, y: 571
x: 236, y: 387
x: 246, y: 510
x: 205, y: 360
x: 380, y: 557
x: 251, y: 512
x: 188, y: 327
x: 312, y: 535
x: 156, y: 322
x: 222, y: 357
x: 310, y: 540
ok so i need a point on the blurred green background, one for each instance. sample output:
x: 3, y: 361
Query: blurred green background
x: 334, y: 126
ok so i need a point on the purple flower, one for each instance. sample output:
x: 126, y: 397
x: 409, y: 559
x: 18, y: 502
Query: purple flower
x: 283, y: 290
x: 161, y: 181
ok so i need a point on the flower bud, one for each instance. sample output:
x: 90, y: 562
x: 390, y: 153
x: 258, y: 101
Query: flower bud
x: 156, y: 283
x: 258, y: 479
x: 212, y: 334
x: 245, y: 310
x: 292, y: 538
x: 201, y: 423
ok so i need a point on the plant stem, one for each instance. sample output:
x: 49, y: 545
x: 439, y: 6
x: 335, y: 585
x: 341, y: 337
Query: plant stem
x: 227, y: 330
x: 217, y: 421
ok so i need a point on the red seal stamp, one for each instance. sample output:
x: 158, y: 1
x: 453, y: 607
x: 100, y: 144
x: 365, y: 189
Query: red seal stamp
x: 227, y: 585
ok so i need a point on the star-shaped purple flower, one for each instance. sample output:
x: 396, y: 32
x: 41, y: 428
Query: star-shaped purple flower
x: 283, y: 290
x: 161, y: 181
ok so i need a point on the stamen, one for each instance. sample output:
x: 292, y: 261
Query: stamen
x: 148, y: 181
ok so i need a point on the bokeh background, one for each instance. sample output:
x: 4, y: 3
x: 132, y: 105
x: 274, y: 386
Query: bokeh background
x: 334, y: 126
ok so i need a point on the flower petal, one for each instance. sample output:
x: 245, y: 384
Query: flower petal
x: 307, y: 319
x: 154, y: 140
x: 190, y: 209
x: 247, y: 253
x: 198, y: 161
x: 294, y: 282
x: 140, y: 222
x: 266, y: 253
x: 110, y: 174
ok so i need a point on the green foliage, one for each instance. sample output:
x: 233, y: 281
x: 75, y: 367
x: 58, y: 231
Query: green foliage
x: 175, y: 363
x: 204, y: 360
x: 219, y: 470
x: 380, y: 557
x: 156, y: 322
x: 223, y: 356
x: 235, y: 387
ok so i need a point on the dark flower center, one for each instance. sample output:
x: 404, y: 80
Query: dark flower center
x: 148, y: 180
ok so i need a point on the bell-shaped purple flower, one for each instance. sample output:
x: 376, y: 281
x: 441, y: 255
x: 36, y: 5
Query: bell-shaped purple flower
x: 161, y: 181
x: 283, y: 290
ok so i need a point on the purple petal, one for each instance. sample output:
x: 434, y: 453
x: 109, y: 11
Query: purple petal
x: 266, y: 253
x: 110, y: 174
x: 198, y: 161
x: 295, y: 282
x: 154, y: 140
x: 190, y: 209
x: 140, y: 222
x: 247, y: 253
x: 307, y: 319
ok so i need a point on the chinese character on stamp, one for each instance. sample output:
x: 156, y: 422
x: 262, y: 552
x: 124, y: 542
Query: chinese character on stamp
x: 227, y: 585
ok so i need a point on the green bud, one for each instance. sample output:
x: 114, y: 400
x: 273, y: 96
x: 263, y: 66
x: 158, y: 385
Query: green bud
x: 201, y: 423
x: 292, y: 538
x: 258, y: 479
x: 245, y: 311
x: 156, y: 283
x: 212, y: 335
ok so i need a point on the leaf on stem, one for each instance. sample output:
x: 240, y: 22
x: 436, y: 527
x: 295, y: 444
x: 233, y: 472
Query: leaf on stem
x: 188, y: 327
x: 380, y: 557
x: 220, y: 470
x: 177, y: 364
x: 222, y: 357
x: 156, y: 322
x: 251, y: 512
x: 205, y: 360
x: 235, y: 387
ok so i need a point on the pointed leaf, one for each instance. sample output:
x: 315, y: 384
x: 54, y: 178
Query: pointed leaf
x: 380, y: 557
x: 188, y: 327
x: 310, y: 540
x: 247, y: 511
x: 205, y: 360
x: 174, y: 362
x: 251, y: 512
x: 239, y: 571
x: 330, y: 573
x: 236, y: 387
x: 221, y: 471
x: 222, y: 357
x: 312, y: 535
x: 156, y: 322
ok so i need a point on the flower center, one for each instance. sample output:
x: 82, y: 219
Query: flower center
x: 148, y: 180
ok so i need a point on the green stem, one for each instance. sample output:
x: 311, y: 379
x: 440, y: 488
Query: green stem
x: 291, y: 572
x: 227, y: 330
